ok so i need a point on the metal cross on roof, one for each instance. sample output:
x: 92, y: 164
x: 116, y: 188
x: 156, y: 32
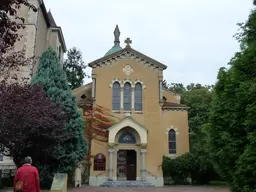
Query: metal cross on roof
x: 128, y: 41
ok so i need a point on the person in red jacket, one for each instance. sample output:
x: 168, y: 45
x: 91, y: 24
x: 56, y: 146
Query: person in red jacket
x: 29, y: 175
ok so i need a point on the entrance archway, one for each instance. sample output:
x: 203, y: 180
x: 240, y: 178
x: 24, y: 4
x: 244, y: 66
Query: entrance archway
x: 127, y: 141
x: 126, y: 159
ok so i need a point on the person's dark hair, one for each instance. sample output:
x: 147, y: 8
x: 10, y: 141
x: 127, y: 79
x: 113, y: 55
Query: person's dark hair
x: 28, y: 160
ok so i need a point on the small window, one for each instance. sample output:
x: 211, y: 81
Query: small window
x: 172, y: 141
x: 99, y: 162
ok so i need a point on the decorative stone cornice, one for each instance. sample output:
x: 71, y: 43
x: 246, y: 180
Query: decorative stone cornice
x: 175, y: 109
x: 112, y: 145
x: 128, y: 53
x: 143, y: 145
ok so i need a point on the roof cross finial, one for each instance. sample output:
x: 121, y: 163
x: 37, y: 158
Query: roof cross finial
x: 117, y: 35
x: 128, y: 41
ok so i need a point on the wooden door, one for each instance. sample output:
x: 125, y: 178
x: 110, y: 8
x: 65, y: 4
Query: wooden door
x: 121, y: 165
x: 131, y: 165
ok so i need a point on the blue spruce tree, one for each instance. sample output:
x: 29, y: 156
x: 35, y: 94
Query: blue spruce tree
x: 54, y: 80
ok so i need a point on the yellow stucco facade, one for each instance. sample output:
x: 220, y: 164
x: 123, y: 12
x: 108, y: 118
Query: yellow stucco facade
x: 148, y: 128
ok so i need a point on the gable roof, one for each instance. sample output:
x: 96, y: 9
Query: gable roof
x: 132, y: 53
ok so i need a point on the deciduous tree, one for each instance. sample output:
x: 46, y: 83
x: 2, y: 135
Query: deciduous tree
x: 233, y: 127
x: 30, y: 124
x: 98, y: 120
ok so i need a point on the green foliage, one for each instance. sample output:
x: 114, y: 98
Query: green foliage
x: 74, y: 67
x: 198, y: 98
x: 54, y: 80
x: 188, y: 165
x: 174, y: 87
x: 232, y: 123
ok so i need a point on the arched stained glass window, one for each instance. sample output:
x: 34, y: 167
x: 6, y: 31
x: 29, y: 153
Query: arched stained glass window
x: 99, y: 163
x: 172, y: 141
x: 127, y: 138
x: 127, y: 97
x: 138, y: 97
x: 116, y: 96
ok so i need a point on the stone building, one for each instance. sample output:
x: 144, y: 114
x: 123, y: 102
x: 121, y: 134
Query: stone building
x: 41, y: 32
x: 151, y: 121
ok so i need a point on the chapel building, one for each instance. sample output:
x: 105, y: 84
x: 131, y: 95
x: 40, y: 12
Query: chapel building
x: 151, y: 121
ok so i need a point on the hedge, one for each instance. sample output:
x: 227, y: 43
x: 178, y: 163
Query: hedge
x: 189, y: 166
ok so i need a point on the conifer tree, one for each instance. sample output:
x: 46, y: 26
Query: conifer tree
x: 74, y: 67
x: 54, y: 80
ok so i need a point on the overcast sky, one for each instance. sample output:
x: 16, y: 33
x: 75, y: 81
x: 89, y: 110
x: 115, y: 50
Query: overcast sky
x: 194, y: 38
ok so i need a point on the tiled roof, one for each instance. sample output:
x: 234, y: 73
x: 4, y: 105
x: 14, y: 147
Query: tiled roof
x: 173, y: 105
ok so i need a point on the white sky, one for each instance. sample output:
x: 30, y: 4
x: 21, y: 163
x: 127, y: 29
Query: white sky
x: 194, y: 38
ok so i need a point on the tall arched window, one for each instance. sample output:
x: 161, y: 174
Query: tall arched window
x: 99, y: 163
x: 172, y: 141
x: 127, y: 97
x: 138, y: 97
x: 116, y: 96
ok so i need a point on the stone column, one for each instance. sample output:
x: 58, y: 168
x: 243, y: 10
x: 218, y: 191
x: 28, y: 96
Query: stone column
x: 122, y: 98
x: 133, y: 99
x: 143, y: 164
x: 160, y: 90
x: 110, y: 170
x: 93, y: 88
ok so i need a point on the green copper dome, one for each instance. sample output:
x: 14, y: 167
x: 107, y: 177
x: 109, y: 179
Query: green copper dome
x: 113, y: 50
x: 116, y: 46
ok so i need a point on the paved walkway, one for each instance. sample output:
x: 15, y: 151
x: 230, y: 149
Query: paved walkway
x: 163, y: 189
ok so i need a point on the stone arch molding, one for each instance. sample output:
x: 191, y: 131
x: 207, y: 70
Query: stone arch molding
x: 127, y: 81
x: 172, y: 127
x: 141, y: 82
x: 122, y: 82
x: 115, y: 80
x: 128, y: 122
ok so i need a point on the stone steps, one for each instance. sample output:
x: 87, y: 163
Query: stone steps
x: 126, y: 184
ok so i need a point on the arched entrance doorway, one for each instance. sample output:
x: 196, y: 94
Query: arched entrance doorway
x: 127, y: 163
x: 127, y: 148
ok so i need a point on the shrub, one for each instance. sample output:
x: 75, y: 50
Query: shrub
x: 188, y: 165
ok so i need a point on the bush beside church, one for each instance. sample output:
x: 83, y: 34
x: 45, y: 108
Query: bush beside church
x: 188, y: 169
